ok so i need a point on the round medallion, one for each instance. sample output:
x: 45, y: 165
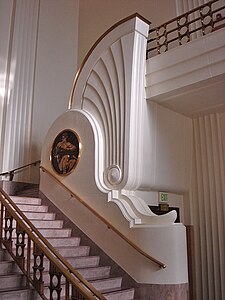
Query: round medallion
x: 113, y: 174
x: 65, y: 152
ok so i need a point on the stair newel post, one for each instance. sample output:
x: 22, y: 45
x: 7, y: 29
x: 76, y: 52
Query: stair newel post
x: 55, y: 281
x: 38, y: 269
x: 20, y: 245
x: 8, y: 230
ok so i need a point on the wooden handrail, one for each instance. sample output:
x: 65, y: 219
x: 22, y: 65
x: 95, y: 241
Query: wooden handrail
x: 64, y: 266
x: 107, y: 223
x: 11, y: 172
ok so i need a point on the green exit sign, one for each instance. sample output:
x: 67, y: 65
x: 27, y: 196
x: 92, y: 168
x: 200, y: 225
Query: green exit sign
x: 163, y: 197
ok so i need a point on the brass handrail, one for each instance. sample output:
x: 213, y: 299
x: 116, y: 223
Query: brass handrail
x: 49, y: 251
x: 159, y: 39
x: 108, y: 224
x: 12, y: 172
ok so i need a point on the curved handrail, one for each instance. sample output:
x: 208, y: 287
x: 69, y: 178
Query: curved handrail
x: 11, y: 172
x: 66, y: 271
x: 95, y: 45
x: 109, y: 225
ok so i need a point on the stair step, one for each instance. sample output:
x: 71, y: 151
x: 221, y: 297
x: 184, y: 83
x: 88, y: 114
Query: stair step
x: 33, y: 208
x: 64, y: 241
x: 74, y: 251
x: 4, y: 255
x: 95, y: 273
x: 76, y: 262
x: 39, y: 215
x: 12, y: 281
x: 20, y: 294
x: 47, y: 223
x: 109, y: 284
x: 84, y: 262
x: 127, y: 294
x: 52, y: 232
x: 8, y: 267
x: 106, y: 284
x: 26, y: 200
x: 56, y: 242
x: 60, y: 232
x: 55, y: 224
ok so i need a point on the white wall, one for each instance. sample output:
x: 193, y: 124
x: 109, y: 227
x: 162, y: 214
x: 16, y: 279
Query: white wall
x: 38, y: 57
x: 5, y: 24
x: 96, y: 16
x: 56, y: 65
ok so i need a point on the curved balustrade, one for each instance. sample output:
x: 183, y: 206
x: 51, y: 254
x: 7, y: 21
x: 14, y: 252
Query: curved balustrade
x: 188, y: 26
x: 30, y: 241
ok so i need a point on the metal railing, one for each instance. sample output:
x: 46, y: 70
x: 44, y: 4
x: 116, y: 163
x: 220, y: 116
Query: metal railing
x: 107, y: 223
x: 36, y: 257
x: 186, y: 27
x: 19, y: 169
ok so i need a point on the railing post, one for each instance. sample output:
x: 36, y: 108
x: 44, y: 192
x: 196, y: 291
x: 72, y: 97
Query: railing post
x: 55, y: 281
x: 8, y: 231
x: 38, y: 269
x: 20, y: 245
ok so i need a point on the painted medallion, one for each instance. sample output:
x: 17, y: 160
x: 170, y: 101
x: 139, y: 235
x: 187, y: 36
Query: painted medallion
x: 65, y: 152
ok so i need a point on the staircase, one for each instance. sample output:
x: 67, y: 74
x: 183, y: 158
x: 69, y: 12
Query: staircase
x: 12, y: 281
x: 70, y: 247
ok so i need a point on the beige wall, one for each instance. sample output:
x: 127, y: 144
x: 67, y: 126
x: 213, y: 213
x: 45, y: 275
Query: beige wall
x: 96, y: 16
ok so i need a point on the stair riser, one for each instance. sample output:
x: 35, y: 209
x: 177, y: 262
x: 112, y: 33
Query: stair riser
x: 8, y: 267
x: 20, y: 295
x: 95, y: 273
x: 4, y: 255
x: 122, y: 295
x: 12, y: 282
x: 107, y: 284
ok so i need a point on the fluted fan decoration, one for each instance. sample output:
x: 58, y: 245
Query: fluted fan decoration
x: 109, y: 89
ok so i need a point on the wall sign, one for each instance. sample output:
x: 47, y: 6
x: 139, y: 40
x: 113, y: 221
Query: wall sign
x: 65, y: 152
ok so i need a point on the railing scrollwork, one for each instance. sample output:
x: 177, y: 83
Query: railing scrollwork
x: 186, y: 27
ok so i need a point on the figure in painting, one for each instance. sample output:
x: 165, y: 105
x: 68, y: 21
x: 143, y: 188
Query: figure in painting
x: 64, y: 153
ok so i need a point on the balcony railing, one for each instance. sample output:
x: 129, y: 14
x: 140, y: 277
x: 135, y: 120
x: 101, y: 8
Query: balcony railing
x: 187, y: 27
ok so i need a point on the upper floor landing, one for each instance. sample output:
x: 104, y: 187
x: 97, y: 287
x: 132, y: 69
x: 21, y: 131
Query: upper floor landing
x: 190, y: 78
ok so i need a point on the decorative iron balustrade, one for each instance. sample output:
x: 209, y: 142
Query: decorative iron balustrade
x: 186, y: 27
x: 36, y: 257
